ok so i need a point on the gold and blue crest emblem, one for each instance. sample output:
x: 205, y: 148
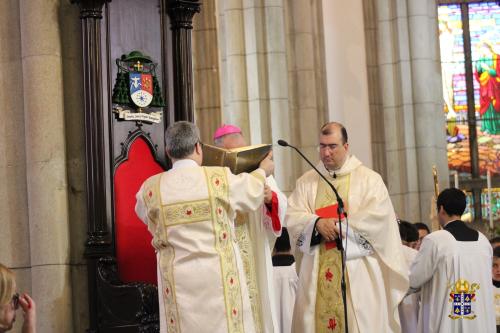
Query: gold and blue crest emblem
x: 462, y: 297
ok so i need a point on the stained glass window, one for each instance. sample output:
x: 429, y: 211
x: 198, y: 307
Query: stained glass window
x: 469, y: 36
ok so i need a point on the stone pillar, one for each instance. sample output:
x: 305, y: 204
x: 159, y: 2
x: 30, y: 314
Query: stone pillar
x: 46, y: 164
x: 74, y: 115
x: 14, y: 222
x: 254, y: 75
x: 406, y: 76
x: 206, y: 76
x: 346, y: 73
x: 427, y: 98
x: 306, y: 79
x: 181, y: 14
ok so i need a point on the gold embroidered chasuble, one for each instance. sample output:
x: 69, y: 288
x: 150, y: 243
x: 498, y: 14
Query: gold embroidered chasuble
x: 256, y: 236
x: 376, y: 273
x: 247, y: 255
x: 190, y: 213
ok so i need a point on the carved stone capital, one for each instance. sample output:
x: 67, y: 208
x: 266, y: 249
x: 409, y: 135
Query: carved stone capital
x: 90, y: 8
x: 181, y: 13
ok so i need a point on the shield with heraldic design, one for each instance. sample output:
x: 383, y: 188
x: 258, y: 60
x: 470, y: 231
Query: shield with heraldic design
x: 462, y: 297
x: 141, y: 88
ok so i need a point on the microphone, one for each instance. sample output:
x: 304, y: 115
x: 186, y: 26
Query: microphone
x: 283, y: 143
x: 340, y: 211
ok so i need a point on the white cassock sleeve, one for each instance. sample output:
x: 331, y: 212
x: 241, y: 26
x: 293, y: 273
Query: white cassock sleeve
x: 424, y: 265
x: 246, y: 191
x: 355, y: 245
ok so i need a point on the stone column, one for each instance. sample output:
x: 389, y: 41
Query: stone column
x: 406, y: 76
x: 427, y: 98
x: 306, y: 79
x: 46, y: 164
x: 254, y: 75
x: 74, y: 115
x: 14, y: 221
x: 346, y: 73
x: 206, y: 76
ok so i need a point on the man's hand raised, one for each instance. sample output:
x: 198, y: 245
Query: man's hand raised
x: 267, y: 164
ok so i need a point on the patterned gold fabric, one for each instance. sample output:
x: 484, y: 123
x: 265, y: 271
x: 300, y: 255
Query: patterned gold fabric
x: 152, y: 198
x: 218, y: 192
x: 329, y: 306
x: 248, y: 258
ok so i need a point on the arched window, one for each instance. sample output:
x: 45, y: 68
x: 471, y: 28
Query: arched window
x: 469, y: 35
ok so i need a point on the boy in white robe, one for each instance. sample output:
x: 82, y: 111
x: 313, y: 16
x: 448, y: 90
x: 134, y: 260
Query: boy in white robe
x: 285, y: 282
x: 453, y: 270
x: 408, y: 308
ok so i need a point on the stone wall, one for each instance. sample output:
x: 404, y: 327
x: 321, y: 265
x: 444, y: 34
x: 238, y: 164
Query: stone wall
x: 43, y: 220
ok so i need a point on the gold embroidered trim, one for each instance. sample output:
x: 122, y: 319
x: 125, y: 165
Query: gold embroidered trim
x: 187, y: 212
x: 152, y: 198
x: 248, y: 258
x: 218, y: 191
x: 329, y: 307
x: 258, y: 175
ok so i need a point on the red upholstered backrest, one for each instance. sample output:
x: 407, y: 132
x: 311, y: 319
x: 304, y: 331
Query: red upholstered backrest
x: 134, y: 253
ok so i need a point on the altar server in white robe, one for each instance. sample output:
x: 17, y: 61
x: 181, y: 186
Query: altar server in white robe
x: 453, y: 270
x: 377, y: 274
x: 190, y: 212
x: 285, y: 281
x: 256, y: 233
x: 408, y: 308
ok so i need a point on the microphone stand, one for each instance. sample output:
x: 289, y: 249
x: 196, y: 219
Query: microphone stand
x: 340, y: 212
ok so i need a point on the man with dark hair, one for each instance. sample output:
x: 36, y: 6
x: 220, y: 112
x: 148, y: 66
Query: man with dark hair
x: 190, y: 212
x: 408, y: 308
x: 453, y: 270
x: 409, y: 234
x: 495, y: 241
x: 376, y: 273
x: 423, y: 230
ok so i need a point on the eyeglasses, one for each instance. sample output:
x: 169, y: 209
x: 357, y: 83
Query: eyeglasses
x: 15, y: 301
x: 331, y: 146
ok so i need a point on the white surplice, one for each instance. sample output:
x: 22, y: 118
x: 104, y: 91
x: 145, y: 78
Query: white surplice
x: 377, y: 274
x: 408, y: 308
x: 285, y: 284
x: 255, y: 235
x: 190, y: 212
x: 442, y: 265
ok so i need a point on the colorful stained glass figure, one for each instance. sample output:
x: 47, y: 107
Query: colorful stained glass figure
x: 484, y: 29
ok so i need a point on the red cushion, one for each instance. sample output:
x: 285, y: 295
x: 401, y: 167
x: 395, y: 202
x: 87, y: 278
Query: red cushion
x: 134, y: 253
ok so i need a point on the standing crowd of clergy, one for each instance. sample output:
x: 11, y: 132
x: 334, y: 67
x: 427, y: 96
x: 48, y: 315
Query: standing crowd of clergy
x: 214, y: 233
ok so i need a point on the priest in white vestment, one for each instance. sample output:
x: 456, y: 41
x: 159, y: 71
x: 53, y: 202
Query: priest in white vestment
x: 190, y: 212
x: 376, y: 271
x: 453, y: 270
x: 256, y: 233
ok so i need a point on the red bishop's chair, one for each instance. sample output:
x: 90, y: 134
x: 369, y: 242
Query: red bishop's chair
x: 126, y: 283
